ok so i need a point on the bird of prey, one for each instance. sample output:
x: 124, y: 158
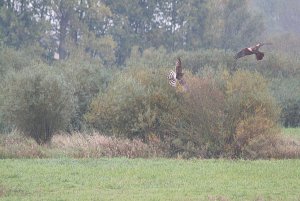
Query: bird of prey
x: 252, y: 50
x: 173, y: 77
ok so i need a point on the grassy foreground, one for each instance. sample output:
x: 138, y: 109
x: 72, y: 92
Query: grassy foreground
x: 155, y: 179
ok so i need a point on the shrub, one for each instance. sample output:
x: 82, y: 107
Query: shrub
x: 11, y: 59
x: 223, y: 116
x: 194, y: 61
x: 88, y: 77
x: 198, y: 131
x: 139, y: 102
x: 287, y: 93
x: 38, y: 101
x: 150, y: 58
x: 250, y: 111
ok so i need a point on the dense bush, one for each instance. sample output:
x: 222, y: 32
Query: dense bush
x: 287, y: 93
x: 250, y: 111
x: 198, y: 130
x: 11, y: 59
x: 88, y: 77
x: 194, y: 61
x: 138, y: 103
x: 38, y: 101
x: 217, y: 116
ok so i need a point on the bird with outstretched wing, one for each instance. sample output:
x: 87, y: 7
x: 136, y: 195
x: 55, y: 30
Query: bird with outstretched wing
x: 252, y: 50
x: 177, y: 76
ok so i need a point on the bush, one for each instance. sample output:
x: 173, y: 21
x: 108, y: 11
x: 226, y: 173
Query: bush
x: 138, y: 103
x: 194, y: 61
x: 88, y: 77
x: 215, y: 59
x: 287, y: 93
x: 38, y: 101
x: 150, y: 58
x: 198, y: 131
x: 218, y: 116
x: 11, y: 59
x: 250, y: 111
x: 223, y: 116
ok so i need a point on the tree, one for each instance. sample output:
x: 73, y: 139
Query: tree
x: 229, y: 24
x: 19, y: 26
x: 80, y: 23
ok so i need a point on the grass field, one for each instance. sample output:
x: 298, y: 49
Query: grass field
x: 148, y: 179
x: 293, y: 132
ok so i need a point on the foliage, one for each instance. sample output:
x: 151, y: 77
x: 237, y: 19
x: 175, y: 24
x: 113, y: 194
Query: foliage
x: 137, y: 103
x: 143, y: 38
x: 176, y: 25
x: 198, y: 131
x: 18, y: 24
x: 287, y: 92
x: 250, y: 111
x: 194, y: 61
x: 38, y: 101
x: 149, y: 58
x: 88, y: 77
x: 230, y: 18
x: 214, y: 118
x: 11, y: 59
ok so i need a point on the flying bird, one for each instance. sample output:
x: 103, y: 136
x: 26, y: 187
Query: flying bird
x: 173, y: 77
x: 252, y: 50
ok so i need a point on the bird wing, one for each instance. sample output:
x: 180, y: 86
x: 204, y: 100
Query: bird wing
x: 172, y: 78
x: 259, y: 45
x: 242, y: 53
x: 179, y: 73
x: 266, y: 44
x: 259, y: 55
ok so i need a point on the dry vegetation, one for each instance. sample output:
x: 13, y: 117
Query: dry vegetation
x: 77, y: 145
x: 95, y: 145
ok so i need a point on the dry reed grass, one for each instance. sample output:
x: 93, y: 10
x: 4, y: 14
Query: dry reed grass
x: 96, y: 145
x: 16, y: 145
x: 276, y: 147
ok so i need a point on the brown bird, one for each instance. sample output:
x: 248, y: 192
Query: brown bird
x: 252, y: 50
x: 177, y: 75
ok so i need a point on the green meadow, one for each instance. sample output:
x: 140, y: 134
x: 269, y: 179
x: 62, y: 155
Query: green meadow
x: 292, y: 132
x: 148, y: 179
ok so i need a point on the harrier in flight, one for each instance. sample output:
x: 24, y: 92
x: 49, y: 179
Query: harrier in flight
x: 177, y: 76
x: 252, y: 50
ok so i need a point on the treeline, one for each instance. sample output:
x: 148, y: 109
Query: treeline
x: 108, y: 29
x: 102, y: 65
